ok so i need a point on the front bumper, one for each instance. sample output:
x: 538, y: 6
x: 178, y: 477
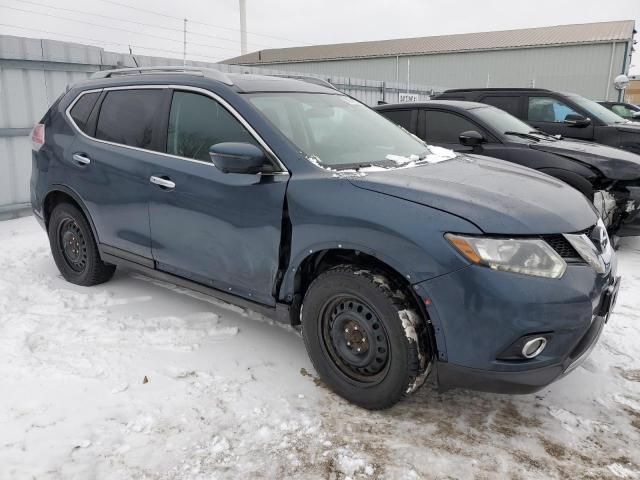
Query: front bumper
x: 477, y: 313
x: 523, y: 381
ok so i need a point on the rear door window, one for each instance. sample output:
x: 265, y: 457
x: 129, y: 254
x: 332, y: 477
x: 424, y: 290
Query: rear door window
x: 405, y: 118
x: 548, y: 109
x: 196, y: 122
x: 510, y: 104
x: 81, y: 110
x: 131, y: 117
x: 445, y: 127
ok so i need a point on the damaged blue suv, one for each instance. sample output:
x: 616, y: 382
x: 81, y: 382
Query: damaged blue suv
x: 400, y: 261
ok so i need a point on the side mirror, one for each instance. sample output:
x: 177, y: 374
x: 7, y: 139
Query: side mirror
x: 231, y: 157
x: 471, y: 138
x: 575, y: 120
x: 636, y: 115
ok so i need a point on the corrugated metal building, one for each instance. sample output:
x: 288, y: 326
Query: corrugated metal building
x: 582, y: 58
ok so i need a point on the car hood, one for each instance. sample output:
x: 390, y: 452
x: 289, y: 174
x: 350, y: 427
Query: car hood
x: 498, y: 197
x: 614, y: 163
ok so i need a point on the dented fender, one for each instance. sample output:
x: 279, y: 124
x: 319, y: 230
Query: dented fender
x: 406, y: 236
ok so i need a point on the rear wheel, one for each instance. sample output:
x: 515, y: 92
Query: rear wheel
x: 362, y: 336
x: 74, y: 249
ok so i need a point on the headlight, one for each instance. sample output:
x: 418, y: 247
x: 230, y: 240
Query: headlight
x: 527, y: 256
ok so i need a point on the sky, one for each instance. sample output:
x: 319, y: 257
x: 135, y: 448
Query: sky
x: 154, y: 27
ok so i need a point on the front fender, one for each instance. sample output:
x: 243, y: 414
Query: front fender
x: 331, y: 213
x: 576, y: 180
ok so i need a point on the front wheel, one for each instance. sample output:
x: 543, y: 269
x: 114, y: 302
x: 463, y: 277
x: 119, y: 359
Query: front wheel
x: 74, y: 249
x: 363, y: 337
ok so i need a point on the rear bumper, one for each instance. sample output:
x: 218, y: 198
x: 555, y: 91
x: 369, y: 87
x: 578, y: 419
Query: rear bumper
x: 38, y: 216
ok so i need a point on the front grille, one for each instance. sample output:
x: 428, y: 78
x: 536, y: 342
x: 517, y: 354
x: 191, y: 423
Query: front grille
x: 563, y: 247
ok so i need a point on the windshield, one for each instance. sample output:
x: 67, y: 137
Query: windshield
x: 337, y: 131
x: 501, y: 121
x: 596, y: 110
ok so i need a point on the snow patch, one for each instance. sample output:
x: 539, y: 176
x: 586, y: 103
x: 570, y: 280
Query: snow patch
x: 350, y: 464
x: 73, y: 405
x: 621, y: 471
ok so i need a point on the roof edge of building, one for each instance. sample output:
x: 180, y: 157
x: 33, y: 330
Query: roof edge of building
x: 249, y: 59
x: 414, y: 54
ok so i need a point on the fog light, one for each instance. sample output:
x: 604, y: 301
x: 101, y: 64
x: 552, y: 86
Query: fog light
x: 534, y: 347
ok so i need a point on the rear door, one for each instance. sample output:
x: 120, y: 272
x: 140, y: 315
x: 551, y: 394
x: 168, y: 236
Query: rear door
x: 219, y: 229
x: 109, y: 163
x: 548, y: 114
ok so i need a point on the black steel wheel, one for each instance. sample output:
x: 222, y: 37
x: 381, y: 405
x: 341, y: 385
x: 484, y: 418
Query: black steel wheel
x: 355, y: 339
x: 73, y: 243
x: 74, y: 249
x: 352, y: 324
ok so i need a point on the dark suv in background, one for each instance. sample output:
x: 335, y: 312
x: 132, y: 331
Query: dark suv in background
x: 565, y: 114
x: 399, y: 260
x: 628, y: 111
x: 608, y: 176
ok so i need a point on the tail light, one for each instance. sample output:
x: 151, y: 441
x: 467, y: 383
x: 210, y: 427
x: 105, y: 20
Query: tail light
x: 37, y: 136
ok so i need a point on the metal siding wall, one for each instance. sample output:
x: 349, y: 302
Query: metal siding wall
x: 33, y: 73
x: 582, y: 69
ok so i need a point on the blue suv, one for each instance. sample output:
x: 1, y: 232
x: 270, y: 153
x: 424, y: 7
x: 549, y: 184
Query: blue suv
x: 399, y: 260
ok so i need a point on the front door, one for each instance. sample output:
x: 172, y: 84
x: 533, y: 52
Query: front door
x: 219, y: 229
x: 548, y: 114
x: 444, y: 128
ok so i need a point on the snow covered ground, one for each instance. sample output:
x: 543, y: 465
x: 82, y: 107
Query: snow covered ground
x: 231, y: 395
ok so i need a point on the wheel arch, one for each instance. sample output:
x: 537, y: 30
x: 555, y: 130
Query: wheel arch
x: 293, y: 281
x: 308, y: 266
x: 61, y: 193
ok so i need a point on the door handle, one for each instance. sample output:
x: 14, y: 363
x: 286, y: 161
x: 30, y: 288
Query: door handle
x: 81, y: 158
x: 162, y: 182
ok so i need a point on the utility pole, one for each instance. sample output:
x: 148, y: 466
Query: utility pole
x: 184, y: 44
x: 243, y: 26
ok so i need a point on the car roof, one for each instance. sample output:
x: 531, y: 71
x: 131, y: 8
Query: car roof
x: 451, y: 104
x: 240, y: 82
x: 515, y: 89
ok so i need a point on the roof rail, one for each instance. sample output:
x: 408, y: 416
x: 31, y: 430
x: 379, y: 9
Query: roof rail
x: 496, y: 89
x: 204, y: 72
x: 305, y: 78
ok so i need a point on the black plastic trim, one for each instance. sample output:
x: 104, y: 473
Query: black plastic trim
x: 279, y: 313
x: 123, y: 254
x: 511, y: 382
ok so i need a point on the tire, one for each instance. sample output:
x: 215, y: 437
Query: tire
x: 80, y: 262
x: 392, y: 360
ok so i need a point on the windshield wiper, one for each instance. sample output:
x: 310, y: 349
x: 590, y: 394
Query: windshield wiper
x: 545, y: 134
x: 358, y: 165
x: 523, y: 135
